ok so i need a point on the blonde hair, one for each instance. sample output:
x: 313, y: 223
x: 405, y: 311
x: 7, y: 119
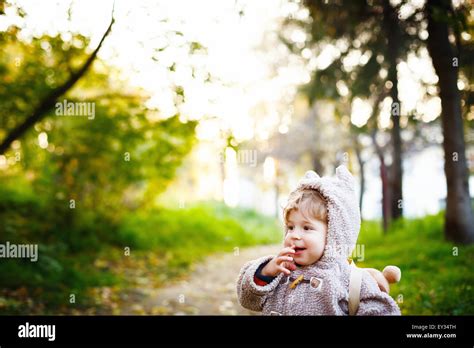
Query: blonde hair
x: 309, y: 202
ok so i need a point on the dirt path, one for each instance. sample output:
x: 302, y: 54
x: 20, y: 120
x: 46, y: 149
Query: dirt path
x: 209, y: 289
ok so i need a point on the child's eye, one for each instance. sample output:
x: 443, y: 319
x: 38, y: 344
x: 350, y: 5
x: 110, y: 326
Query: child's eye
x: 290, y: 228
x: 307, y: 228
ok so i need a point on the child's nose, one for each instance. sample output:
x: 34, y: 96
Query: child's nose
x: 295, y: 234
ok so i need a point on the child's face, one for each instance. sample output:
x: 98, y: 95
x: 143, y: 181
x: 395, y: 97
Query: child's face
x: 307, y: 236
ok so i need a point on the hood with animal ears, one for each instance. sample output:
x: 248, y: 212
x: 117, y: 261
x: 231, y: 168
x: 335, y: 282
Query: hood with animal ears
x: 343, y: 210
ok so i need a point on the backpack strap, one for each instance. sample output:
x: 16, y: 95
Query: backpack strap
x: 355, y: 282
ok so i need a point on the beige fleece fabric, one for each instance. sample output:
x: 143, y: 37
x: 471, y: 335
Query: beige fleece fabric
x: 331, y: 295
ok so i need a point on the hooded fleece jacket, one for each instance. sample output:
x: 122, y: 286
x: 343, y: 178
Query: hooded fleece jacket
x: 329, y: 295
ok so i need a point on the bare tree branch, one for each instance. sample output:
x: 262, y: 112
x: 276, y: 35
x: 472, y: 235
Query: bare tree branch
x: 48, y: 102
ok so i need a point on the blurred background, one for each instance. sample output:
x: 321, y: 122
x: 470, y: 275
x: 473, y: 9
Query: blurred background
x: 147, y: 148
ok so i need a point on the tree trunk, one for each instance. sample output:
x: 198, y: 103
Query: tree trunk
x: 316, y: 163
x: 277, y: 190
x: 459, y: 218
x: 380, y: 154
x: 392, y: 30
x: 360, y: 161
x: 386, y: 195
x: 386, y: 218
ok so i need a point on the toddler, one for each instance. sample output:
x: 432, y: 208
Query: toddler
x: 311, y: 275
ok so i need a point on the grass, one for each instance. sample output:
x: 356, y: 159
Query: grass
x: 184, y: 236
x: 437, y: 276
x: 83, y: 254
x: 163, y: 243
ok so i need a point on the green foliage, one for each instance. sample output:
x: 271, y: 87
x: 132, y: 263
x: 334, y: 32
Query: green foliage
x: 434, y: 280
x: 69, y: 247
x: 186, y: 235
x: 29, y: 70
x: 108, y: 164
x: 126, y: 149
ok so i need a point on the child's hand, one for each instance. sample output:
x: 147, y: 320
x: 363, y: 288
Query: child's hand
x: 283, y: 262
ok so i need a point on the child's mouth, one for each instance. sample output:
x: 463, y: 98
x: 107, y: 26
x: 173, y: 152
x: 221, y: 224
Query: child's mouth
x: 299, y: 251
